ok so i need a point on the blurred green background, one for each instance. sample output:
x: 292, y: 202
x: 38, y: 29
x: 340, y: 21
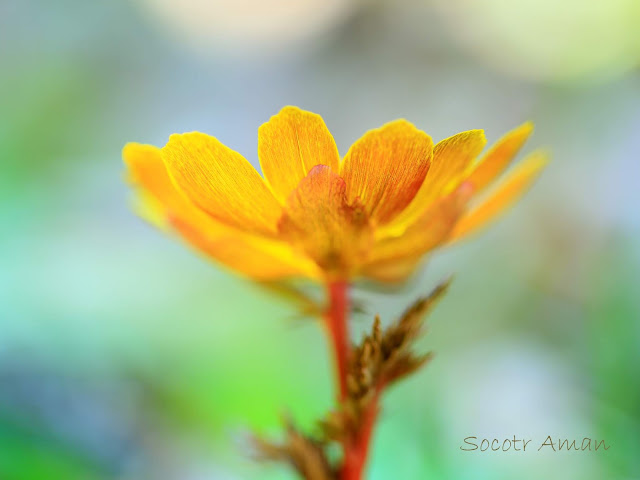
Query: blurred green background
x: 125, y: 356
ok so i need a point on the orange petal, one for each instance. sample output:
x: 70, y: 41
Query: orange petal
x: 385, y: 168
x: 256, y: 257
x: 290, y: 144
x: 319, y: 220
x: 221, y: 182
x: 496, y: 160
x: 507, y: 193
x: 451, y: 157
x: 431, y: 229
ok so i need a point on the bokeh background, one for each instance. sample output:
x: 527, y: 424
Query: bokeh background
x: 123, y: 355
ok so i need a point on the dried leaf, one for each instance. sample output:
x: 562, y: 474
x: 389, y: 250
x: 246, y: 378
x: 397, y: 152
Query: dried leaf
x: 305, y: 454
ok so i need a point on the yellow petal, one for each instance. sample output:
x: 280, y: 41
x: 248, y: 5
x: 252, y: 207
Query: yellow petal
x: 507, y: 193
x: 386, y: 167
x: 430, y: 230
x: 319, y: 220
x: 145, y: 167
x: 256, y: 257
x: 496, y: 160
x: 221, y: 182
x: 259, y: 258
x: 158, y: 195
x: 451, y: 158
x: 147, y: 207
x: 290, y: 144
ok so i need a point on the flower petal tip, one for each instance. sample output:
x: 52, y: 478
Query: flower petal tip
x: 528, y: 126
x: 536, y: 161
x: 504, y: 195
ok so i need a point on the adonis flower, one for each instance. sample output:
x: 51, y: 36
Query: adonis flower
x: 375, y: 213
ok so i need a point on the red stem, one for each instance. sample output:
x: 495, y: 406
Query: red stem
x: 336, y: 318
x: 356, y: 447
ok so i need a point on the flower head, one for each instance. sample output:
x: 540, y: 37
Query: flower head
x: 393, y: 198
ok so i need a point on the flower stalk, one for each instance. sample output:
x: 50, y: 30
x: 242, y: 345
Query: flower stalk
x: 356, y: 449
x: 338, y: 331
x: 356, y: 445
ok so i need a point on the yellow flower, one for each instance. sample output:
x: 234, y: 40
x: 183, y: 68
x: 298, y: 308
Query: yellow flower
x: 393, y: 198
